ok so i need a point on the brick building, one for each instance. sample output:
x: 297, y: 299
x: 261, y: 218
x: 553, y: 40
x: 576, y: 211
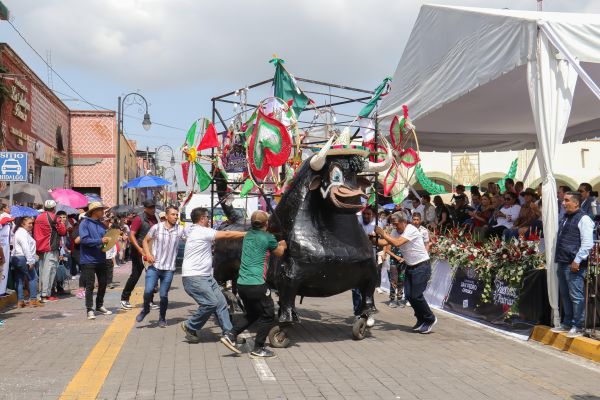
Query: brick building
x: 94, y: 151
x: 34, y: 120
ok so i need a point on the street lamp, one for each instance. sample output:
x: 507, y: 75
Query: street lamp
x: 139, y: 100
x: 172, y: 162
x: 174, y: 179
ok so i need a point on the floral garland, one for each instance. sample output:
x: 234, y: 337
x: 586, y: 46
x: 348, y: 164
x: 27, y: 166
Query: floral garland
x: 508, y: 261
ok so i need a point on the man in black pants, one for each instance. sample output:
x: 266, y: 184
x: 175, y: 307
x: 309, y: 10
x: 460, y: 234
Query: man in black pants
x: 252, y: 288
x: 140, y: 226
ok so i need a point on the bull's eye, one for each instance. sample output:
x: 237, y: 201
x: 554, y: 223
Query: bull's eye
x: 336, y: 176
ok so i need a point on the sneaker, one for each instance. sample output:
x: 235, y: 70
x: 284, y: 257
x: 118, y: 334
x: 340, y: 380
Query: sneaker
x: 392, y: 304
x: 140, y: 317
x: 402, y: 303
x: 575, y: 332
x: 370, y: 321
x: 417, y: 326
x: 80, y: 294
x: 379, y: 290
x: 43, y: 300
x: 52, y: 298
x: 561, y: 329
x: 91, y: 315
x: 190, y: 335
x: 261, y: 352
x: 162, y: 323
x: 103, y: 311
x: 427, y: 327
x: 125, y: 305
x: 228, y: 339
x: 153, y: 306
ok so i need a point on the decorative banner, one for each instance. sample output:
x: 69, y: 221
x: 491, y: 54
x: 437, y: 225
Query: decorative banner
x: 512, y: 171
x: 379, y: 92
x: 409, y: 158
x: 430, y: 186
x: 285, y: 87
x: 390, y: 179
x: 191, y: 135
x: 185, y: 170
x: 209, y: 140
x: 203, y: 178
x: 235, y: 161
x: 248, y: 186
x: 270, y: 145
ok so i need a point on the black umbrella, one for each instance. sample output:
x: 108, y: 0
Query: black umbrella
x: 27, y: 193
x: 122, y: 209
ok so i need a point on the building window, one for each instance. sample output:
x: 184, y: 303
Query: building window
x: 59, y: 140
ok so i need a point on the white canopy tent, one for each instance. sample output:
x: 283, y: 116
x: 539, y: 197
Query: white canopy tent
x: 479, y: 79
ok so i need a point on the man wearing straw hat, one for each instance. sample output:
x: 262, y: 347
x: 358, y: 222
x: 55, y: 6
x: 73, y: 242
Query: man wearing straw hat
x: 92, y: 257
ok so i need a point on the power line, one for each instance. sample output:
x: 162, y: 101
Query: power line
x: 45, y: 62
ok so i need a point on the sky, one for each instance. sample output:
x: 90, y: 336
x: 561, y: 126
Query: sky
x: 181, y: 53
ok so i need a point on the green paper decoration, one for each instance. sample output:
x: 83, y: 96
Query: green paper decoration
x: 430, y: 186
x: 366, y: 110
x: 372, y: 198
x: 398, y: 198
x: 191, y: 135
x: 248, y: 186
x: 512, y: 172
x: 203, y: 178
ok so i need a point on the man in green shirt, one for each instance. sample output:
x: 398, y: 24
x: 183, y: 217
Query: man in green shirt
x: 252, y: 288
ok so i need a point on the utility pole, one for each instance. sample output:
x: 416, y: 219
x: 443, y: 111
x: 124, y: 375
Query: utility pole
x: 539, y: 5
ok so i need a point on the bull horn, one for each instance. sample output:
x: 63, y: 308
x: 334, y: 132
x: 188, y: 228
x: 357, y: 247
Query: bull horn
x: 318, y: 161
x: 383, y: 165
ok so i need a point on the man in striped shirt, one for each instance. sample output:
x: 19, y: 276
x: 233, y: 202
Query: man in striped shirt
x: 160, y: 251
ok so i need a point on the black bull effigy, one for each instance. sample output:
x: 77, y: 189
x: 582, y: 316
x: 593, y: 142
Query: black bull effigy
x: 328, y: 251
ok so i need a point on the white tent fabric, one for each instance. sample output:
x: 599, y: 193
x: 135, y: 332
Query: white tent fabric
x: 483, y: 80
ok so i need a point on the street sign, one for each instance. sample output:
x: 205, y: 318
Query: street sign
x: 13, y: 166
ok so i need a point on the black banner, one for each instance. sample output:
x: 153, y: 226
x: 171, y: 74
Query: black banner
x: 529, y: 304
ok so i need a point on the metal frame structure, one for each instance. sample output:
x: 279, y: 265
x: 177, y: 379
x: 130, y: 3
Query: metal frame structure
x: 339, y: 100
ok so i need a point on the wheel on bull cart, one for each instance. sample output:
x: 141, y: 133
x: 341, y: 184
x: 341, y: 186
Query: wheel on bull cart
x: 359, y: 328
x: 278, y: 337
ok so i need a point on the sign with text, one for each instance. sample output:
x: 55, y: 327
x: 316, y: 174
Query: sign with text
x: 13, y: 166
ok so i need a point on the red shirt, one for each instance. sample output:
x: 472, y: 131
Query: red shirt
x: 137, y: 223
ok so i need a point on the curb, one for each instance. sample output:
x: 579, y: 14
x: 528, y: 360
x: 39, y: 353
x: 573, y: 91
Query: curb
x: 581, y: 346
x: 8, y: 300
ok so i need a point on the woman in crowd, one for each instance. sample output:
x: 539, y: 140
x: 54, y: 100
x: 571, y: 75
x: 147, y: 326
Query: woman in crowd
x: 482, y: 217
x: 528, y: 215
x: 506, y: 216
x: 23, y: 261
x: 442, y: 213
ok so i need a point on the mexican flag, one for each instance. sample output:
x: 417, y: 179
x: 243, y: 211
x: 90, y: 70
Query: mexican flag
x: 285, y: 88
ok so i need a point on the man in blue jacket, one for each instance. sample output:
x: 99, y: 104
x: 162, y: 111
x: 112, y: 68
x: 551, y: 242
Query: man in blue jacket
x: 92, y: 259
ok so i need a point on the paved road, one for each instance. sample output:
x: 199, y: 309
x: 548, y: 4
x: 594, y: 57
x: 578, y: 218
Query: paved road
x: 42, y: 350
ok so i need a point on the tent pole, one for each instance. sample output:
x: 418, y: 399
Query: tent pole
x: 530, y: 166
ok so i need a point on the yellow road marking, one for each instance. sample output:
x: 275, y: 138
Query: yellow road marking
x: 88, y: 381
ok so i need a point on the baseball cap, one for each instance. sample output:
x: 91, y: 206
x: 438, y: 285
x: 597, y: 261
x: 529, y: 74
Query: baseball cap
x: 49, y: 204
x: 259, y: 218
x: 148, y: 203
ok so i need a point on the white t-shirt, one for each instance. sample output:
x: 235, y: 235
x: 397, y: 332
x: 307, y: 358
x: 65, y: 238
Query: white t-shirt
x: 425, y: 233
x: 513, y: 212
x: 414, y: 250
x: 197, y: 259
x: 419, y: 209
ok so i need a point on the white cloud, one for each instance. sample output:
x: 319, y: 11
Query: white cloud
x: 157, y: 44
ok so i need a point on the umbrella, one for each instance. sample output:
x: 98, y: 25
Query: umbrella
x: 27, y: 193
x: 389, y: 207
x: 121, y: 209
x: 22, y: 211
x: 146, y: 181
x: 92, y: 197
x: 69, y: 197
x: 67, y: 209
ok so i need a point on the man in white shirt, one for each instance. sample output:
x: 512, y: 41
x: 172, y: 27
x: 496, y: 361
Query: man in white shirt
x: 418, y: 268
x: 416, y: 221
x: 160, y: 251
x: 198, y: 281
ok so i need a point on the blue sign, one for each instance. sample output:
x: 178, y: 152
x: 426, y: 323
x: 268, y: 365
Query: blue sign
x: 13, y: 166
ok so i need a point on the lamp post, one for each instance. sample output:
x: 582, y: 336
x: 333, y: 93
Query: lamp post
x: 172, y: 161
x: 174, y: 179
x: 140, y: 100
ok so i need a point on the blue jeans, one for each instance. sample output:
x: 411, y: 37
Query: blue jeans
x: 152, y: 277
x: 415, y: 284
x: 571, y: 289
x: 356, y: 301
x: 207, y: 293
x: 19, y: 265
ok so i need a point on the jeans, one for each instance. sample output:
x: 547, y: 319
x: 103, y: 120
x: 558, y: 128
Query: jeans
x: 260, y: 311
x: 21, y: 269
x: 137, y: 266
x: 48, y: 265
x: 110, y: 267
x: 88, y: 270
x: 356, y: 301
x: 571, y: 289
x: 207, y: 293
x: 152, y: 277
x: 414, y: 286
x: 396, y: 275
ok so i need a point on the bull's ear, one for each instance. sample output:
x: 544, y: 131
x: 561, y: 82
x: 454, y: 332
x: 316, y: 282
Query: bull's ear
x: 315, y: 183
x: 363, y: 182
